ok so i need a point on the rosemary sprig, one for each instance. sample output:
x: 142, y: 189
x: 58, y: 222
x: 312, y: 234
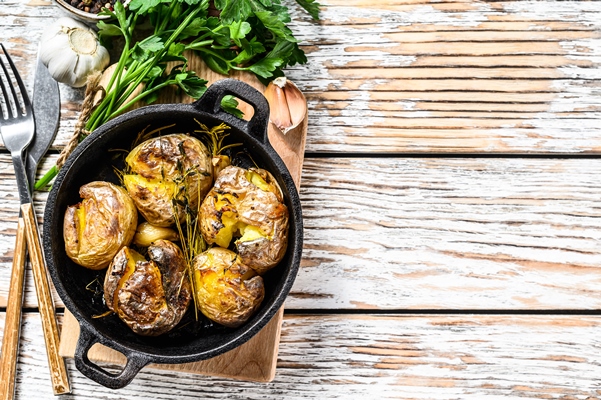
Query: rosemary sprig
x: 191, y: 240
x: 214, y: 137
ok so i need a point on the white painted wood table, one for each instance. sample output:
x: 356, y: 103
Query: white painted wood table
x: 452, y: 201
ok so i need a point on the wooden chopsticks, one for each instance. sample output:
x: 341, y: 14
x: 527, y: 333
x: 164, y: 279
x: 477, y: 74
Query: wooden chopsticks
x: 58, y: 369
x: 12, y: 325
x: 27, y: 234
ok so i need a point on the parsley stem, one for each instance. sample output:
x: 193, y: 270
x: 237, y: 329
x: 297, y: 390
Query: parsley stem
x: 214, y: 54
x: 131, y: 81
x: 140, y: 97
x: 198, y: 45
x: 117, y: 74
x: 130, y: 87
x: 165, y: 20
x: 94, y: 120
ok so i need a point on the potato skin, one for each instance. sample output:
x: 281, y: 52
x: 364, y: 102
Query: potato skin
x: 96, y: 228
x: 235, y: 199
x: 151, y: 297
x: 157, y: 170
x: 227, y: 291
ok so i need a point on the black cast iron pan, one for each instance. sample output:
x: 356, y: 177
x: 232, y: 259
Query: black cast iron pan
x: 192, y: 340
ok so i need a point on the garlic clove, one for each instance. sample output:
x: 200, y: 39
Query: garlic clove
x: 146, y: 234
x: 287, y: 104
x: 296, y: 103
x: 279, y: 113
x: 105, y: 79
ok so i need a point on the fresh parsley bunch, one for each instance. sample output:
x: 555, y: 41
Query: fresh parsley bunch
x: 246, y: 35
x: 252, y: 35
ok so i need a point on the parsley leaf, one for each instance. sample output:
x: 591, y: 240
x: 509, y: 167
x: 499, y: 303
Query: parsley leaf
x: 265, y: 67
x: 152, y: 44
x: 238, y: 30
x: 142, y: 6
x: 275, y: 25
x: 191, y: 84
x: 311, y: 6
x: 105, y: 29
x: 230, y: 104
x: 249, y: 50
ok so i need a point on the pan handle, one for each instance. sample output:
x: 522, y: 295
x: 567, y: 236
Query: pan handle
x: 210, y: 102
x: 135, y: 362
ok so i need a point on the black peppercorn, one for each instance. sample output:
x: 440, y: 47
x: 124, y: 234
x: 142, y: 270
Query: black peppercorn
x: 92, y: 6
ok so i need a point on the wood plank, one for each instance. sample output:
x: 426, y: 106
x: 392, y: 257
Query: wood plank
x: 430, y: 233
x: 450, y: 234
x: 352, y: 356
x: 545, y: 20
x: 468, y: 109
x: 457, y: 61
x: 455, y: 52
x: 449, y: 73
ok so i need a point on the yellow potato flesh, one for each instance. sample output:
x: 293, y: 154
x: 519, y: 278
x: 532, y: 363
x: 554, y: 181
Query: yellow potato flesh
x: 247, y: 206
x: 166, y: 175
x: 227, y: 291
x: 132, y: 258
x: 250, y: 233
x: 231, y: 224
x: 81, y: 216
x: 158, y: 187
x: 258, y: 181
x: 97, y: 227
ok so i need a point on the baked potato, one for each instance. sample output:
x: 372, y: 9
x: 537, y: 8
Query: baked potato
x: 152, y: 296
x: 96, y: 228
x: 166, y: 174
x: 227, y: 291
x: 247, y: 205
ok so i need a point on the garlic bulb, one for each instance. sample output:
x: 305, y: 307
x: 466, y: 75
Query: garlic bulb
x: 287, y: 104
x: 71, y: 52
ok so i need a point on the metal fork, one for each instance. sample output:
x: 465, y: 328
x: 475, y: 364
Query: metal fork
x: 17, y: 129
x: 17, y: 126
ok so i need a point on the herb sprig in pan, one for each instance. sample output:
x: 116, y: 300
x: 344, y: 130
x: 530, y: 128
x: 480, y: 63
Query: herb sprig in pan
x: 245, y: 35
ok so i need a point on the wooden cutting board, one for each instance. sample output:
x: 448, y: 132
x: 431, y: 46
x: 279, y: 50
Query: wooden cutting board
x: 256, y: 359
